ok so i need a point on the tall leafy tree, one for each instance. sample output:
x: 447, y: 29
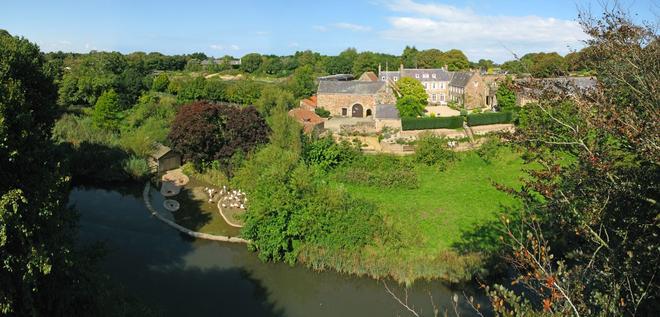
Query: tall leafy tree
x: 409, y: 57
x: 456, y: 60
x: 303, y: 83
x: 205, y: 132
x: 409, y: 107
x: 107, y: 111
x: 411, y: 87
x: 36, y: 227
x: 250, y: 63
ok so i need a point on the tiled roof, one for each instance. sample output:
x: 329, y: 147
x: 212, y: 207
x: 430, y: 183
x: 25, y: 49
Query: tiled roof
x: 369, y: 76
x: 350, y: 87
x: 440, y: 74
x: 305, y: 116
x: 386, y: 112
x: 460, y: 79
x: 160, y: 151
x: 311, y: 101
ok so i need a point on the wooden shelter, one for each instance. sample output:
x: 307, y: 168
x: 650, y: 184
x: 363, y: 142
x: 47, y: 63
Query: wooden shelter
x: 163, y: 159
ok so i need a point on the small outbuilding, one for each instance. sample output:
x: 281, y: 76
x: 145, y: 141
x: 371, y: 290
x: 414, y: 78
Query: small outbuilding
x: 163, y: 159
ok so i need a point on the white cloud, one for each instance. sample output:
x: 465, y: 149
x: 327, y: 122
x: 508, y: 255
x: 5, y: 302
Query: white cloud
x: 481, y: 36
x: 294, y: 44
x: 352, y: 27
x: 320, y: 28
x: 219, y: 47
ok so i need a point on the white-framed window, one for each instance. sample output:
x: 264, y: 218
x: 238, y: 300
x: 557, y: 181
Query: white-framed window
x: 425, y: 86
x: 425, y: 75
x: 433, y: 75
x: 433, y: 97
x: 416, y: 75
x: 442, y: 85
x: 396, y: 78
x: 433, y: 85
x: 383, y: 77
x: 442, y: 97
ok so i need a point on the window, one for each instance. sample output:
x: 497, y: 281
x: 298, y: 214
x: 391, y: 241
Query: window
x: 442, y: 97
x: 383, y: 77
x: 425, y: 75
x: 433, y: 85
x: 416, y: 75
x: 442, y: 85
x: 425, y: 86
x: 433, y: 75
x: 395, y: 78
x: 344, y: 112
x: 433, y: 97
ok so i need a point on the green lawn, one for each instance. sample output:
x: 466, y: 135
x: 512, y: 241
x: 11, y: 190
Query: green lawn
x: 433, y: 217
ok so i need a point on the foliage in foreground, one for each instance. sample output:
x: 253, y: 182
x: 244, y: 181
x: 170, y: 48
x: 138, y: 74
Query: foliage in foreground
x: 42, y: 274
x: 588, y: 239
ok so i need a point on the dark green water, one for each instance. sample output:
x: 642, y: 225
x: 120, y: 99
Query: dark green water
x: 183, y: 277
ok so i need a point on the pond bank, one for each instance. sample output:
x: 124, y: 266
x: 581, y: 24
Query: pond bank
x: 194, y: 234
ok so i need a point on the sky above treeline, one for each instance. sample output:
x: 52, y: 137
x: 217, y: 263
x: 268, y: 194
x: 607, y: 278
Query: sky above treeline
x: 491, y: 29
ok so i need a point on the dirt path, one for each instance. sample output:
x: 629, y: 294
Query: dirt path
x: 227, y: 218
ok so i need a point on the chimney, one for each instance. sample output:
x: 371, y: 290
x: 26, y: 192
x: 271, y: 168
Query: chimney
x: 401, y: 68
x: 446, y: 67
x: 379, y: 70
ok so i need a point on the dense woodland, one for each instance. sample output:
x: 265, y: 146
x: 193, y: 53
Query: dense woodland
x: 582, y: 238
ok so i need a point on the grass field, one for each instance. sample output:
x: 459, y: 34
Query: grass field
x: 433, y: 217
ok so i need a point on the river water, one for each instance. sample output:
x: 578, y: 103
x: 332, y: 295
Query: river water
x: 179, y: 276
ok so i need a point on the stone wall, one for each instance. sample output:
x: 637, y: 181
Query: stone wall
x: 335, y: 102
x: 476, y: 92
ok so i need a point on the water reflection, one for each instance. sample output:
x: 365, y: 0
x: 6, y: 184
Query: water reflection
x: 203, y: 278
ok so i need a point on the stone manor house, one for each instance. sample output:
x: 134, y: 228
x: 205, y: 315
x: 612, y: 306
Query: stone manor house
x: 373, y: 93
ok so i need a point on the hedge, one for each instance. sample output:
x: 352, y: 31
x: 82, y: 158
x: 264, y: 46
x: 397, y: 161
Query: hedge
x: 431, y: 123
x: 489, y: 118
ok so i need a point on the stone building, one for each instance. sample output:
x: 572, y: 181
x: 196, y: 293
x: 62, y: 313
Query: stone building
x: 356, y: 99
x: 468, y: 89
x: 443, y: 86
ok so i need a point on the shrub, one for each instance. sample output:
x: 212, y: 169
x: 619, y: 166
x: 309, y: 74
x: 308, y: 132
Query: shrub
x: 433, y: 151
x: 489, y: 118
x: 464, y: 112
x: 208, y: 174
x: 380, y: 171
x: 488, y: 150
x: 431, y: 123
x: 327, y: 154
x: 321, y: 112
x: 136, y: 168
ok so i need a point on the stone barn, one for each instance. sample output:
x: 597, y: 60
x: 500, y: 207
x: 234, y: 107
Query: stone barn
x: 357, y: 99
x: 164, y: 159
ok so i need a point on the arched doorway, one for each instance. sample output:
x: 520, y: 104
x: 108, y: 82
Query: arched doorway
x: 357, y: 111
x: 368, y: 113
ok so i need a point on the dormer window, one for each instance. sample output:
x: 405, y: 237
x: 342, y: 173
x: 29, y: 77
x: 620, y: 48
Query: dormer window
x: 425, y: 76
x: 396, y: 78
x: 433, y: 75
x: 416, y: 75
x: 383, y: 77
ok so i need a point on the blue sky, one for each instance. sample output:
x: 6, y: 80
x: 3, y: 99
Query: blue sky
x: 481, y: 28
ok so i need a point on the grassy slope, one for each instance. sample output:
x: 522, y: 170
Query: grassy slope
x: 433, y: 216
